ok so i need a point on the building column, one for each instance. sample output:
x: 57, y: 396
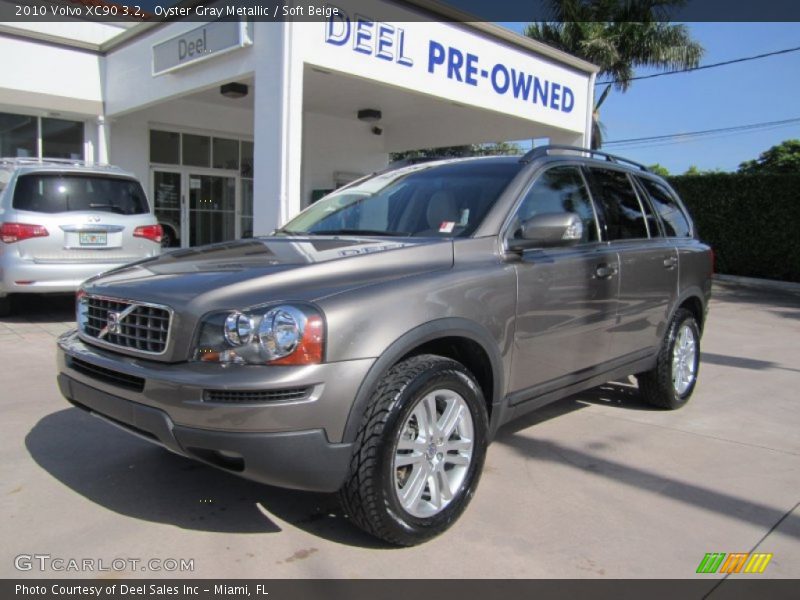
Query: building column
x: 278, y: 123
x: 102, y: 140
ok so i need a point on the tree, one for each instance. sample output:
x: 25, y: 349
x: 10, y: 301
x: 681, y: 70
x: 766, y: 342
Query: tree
x: 493, y: 149
x: 781, y: 158
x: 659, y: 169
x: 618, y: 36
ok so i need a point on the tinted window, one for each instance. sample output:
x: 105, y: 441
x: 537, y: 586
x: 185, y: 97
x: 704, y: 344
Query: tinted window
x: 165, y: 147
x: 557, y: 190
x: 62, y: 138
x: 63, y: 193
x: 675, y: 222
x: 623, y: 213
x: 18, y: 135
x: 448, y: 200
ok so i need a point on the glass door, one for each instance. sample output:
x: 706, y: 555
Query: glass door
x: 211, y: 208
x: 167, y: 201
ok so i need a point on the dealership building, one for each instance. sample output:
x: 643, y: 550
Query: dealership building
x: 234, y: 126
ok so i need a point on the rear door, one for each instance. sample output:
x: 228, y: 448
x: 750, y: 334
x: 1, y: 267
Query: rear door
x: 648, y: 263
x: 566, y: 297
x: 89, y: 218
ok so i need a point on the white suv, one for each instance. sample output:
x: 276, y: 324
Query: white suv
x: 62, y: 222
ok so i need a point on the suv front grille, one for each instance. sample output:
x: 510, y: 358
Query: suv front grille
x: 136, y: 326
x: 245, y: 396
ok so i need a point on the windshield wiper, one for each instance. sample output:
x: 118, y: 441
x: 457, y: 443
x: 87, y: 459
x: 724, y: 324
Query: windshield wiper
x: 367, y: 232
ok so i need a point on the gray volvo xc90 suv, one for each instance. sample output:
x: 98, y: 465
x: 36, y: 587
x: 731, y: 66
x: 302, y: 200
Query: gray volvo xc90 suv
x: 374, y: 345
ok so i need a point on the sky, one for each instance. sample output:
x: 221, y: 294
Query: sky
x: 756, y: 91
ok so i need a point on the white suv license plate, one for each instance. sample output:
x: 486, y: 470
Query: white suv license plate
x: 93, y: 238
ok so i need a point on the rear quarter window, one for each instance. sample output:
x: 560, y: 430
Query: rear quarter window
x: 614, y: 193
x: 56, y: 193
x: 676, y: 223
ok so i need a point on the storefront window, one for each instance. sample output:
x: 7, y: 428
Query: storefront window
x: 247, y: 159
x: 196, y: 150
x: 247, y: 208
x: 165, y: 147
x: 62, y: 139
x: 226, y: 154
x: 18, y: 135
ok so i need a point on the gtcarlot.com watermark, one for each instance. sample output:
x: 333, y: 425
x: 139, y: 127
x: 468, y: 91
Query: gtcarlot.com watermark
x: 58, y: 564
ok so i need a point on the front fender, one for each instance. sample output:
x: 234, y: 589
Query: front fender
x: 433, y: 330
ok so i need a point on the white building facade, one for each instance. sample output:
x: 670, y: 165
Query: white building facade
x: 312, y: 105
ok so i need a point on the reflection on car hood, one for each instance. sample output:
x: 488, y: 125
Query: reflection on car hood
x: 258, y: 270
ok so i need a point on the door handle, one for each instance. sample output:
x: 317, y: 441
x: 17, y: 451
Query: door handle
x: 605, y: 271
x: 670, y: 262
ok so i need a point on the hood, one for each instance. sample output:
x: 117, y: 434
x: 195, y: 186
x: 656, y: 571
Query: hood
x: 250, y: 272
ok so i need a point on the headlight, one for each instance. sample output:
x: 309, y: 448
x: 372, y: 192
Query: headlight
x: 278, y: 335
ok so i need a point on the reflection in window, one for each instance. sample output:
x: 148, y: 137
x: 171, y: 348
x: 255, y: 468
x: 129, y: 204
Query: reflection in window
x: 165, y: 147
x: 675, y: 222
x: 62, y: 139
x: 18, y: 135
x: 247, y: 159
x: 196, y: 150
x: 623, y: 213
x: 558, y: 190
x: 226, y: 154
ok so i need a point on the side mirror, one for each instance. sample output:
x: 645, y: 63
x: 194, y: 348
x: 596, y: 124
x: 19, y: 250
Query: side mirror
x: 548, y: 230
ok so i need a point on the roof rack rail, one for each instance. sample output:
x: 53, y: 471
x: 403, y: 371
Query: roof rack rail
x: 545, y: 151
x: 24, y: 160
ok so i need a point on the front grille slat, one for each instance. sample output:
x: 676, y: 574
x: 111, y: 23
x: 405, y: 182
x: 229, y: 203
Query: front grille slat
x: 130, y: 382
x: 255, y: 396
x: 144, y: 329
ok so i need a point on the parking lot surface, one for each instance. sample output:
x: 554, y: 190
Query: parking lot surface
x: 596, y: 485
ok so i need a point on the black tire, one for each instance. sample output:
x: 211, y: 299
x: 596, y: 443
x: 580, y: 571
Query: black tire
x: 656, y: 386
x: 368, y: 495
x: 5, y: 307
x: 167, y: 237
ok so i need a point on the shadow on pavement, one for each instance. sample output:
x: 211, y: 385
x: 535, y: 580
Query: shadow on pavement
x: 135, y: 478
x: 706, y: 498
x: 40, y: 308
x: 740, y: 362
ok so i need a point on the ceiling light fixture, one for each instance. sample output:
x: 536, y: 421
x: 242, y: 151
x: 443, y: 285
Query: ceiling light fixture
x: 369, y: 115
x: 233, y: 90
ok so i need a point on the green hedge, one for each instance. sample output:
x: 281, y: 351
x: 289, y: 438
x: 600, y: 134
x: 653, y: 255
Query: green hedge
x: 751, y: 221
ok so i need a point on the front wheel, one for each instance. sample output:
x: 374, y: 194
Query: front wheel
x: 671, y: 382
x: 420, y: 451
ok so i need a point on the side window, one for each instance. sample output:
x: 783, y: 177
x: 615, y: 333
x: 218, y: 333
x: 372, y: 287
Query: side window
x: 676, y: 224
x: 623, y: 213
x: 560, y: 189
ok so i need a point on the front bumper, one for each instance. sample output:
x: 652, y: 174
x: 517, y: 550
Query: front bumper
x: 294, y: 443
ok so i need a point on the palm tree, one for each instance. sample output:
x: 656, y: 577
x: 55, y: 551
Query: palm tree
x: 618, y: 36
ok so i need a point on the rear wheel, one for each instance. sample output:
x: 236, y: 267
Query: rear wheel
x: 420, y: 451
x: 5, y: 306
x: 671, y: 382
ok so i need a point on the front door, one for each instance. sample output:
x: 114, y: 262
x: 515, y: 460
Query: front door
x: 212, y: 209
x: 566, y: 297
x: 168, y: 205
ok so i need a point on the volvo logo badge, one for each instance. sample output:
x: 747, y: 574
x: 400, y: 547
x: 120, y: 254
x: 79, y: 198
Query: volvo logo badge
x: 114, y: 321
x: 93, y: 219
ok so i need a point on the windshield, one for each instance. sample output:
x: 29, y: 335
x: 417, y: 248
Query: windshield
x: 59, y: 192
x: 429, y: 200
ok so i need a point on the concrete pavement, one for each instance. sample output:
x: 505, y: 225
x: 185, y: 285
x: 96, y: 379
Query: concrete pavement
x: 596, y: 485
